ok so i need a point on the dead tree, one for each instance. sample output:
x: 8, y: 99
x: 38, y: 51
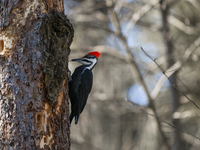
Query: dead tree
x: 35, y: 37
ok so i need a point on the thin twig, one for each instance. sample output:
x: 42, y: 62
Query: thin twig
x: 176, y: 66
x: 154, y: 60
x: 196, y: 137
x: 139, y: 14
x: 190, y: 30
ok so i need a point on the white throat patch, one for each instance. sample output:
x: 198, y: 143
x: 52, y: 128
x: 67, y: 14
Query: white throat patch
x: 93, y: 61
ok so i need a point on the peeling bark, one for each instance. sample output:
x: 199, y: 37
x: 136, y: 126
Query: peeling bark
x: 35, y: 37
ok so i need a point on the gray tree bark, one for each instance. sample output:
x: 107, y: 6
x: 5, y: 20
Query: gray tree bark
x: 35, y: 37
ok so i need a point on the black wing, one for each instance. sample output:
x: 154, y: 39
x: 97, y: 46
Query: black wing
x: 85, y: 88
x: 79, y: 87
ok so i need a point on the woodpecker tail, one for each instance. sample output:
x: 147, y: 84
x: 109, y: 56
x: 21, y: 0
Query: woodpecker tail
x: 76, y: 119
x: 71, y: 118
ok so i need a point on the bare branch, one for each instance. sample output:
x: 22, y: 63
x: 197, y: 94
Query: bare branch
x: 175, y: 67
x: 113, y: 17
x: 190, y: 30
x: 144, y: 111
x: 118, y: 6
x: 86, y: 7
x: 171, y: 80
x: 172, y: 20
x: 180, y: 25
x: 135, y: 70
x: 195, y: 3
x: 136, y: 16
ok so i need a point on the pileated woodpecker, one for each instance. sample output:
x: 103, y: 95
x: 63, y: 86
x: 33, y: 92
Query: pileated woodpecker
x: 81, y: 84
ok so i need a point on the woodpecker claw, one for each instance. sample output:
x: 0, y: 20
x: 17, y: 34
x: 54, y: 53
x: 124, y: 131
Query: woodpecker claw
x: 69, y: 76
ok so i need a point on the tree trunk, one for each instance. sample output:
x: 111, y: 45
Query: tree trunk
x: 35, y: 36
x: 164, y: 6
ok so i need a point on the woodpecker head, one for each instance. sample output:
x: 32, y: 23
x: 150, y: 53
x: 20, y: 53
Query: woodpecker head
x: 89, y: 60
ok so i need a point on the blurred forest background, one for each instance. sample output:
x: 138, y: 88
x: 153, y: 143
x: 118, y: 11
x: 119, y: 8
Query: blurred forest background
x: 132, y: 105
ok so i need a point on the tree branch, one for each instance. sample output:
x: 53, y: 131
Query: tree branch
x: 135, y: 70
x: 154, y: 60
x: 169, y: 124
x: 175, y: 67
x: 136, y: 16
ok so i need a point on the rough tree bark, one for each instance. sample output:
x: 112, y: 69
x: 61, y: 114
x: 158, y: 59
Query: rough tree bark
x: 35, y: 36
x: 165, y: 7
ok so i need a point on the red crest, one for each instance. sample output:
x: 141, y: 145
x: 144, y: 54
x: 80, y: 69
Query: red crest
x: 95, y: 53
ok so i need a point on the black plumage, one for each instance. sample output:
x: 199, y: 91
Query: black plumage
x: 81, y: 84
x: 79, y: 89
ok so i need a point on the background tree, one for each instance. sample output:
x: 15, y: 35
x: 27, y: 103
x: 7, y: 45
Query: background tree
x: 34, y: 46
x: 167, y: 31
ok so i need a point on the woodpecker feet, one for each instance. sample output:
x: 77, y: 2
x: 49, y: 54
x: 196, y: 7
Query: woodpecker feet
x: 69, y: 76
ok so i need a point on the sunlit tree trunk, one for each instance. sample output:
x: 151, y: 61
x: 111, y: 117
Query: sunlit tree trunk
x: 178, y: 143
x: 35, y: 36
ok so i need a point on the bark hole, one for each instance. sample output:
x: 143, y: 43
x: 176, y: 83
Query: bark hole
x: 30, y: 105
x: 45, y: 139
x: 39, y: 121
x: 1, y: 45
x: 38, y: 117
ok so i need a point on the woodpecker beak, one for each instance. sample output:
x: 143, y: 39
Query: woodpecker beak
x: 78, y: 59
x: 81, y: 60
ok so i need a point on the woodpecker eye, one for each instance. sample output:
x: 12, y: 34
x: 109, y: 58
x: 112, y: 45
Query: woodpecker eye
x: 87, y: 61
